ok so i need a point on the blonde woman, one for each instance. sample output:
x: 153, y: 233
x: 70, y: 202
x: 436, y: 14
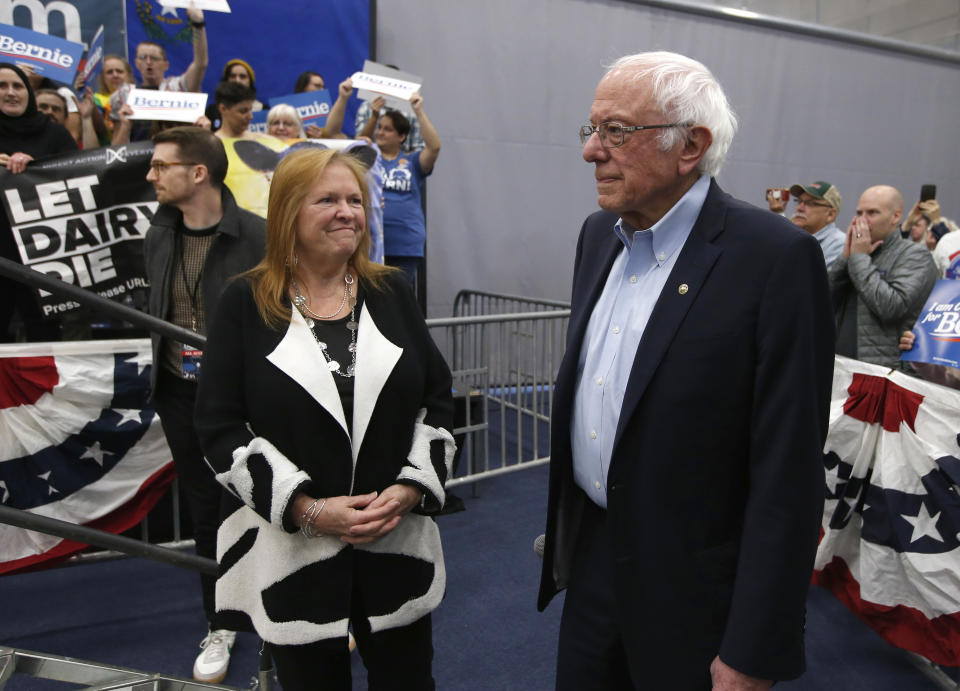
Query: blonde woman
x: 325, y: 410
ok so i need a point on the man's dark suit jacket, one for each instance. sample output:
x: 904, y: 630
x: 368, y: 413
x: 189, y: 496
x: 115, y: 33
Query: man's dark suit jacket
x: 716, y: 483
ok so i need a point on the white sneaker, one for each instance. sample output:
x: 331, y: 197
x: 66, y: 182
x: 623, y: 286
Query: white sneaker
x: 211, y: 665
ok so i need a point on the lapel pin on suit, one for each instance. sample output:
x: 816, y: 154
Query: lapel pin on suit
x: 683, y: 289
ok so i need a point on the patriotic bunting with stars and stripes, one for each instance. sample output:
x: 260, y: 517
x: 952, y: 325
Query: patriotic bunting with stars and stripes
x: 77, y: 442
x: 890, y: 549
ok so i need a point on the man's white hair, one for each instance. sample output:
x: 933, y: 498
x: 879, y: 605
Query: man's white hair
x: 685, y: 91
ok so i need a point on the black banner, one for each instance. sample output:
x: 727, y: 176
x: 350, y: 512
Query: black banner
x: 82, y: 217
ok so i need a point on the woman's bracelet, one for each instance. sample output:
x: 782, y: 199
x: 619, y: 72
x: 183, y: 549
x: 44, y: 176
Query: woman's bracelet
x: 303, y: 516
x: 308, y: 516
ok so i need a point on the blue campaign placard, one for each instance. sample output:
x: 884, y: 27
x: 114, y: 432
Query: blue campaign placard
x: 49, y: 56
x: 258, y: 123
x: 312, y: 106
x: 92, y: 64
x: 938, y: 327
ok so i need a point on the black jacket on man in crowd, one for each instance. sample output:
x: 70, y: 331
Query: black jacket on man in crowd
x: 238, y: 246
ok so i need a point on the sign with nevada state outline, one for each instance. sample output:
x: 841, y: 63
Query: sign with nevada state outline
x: 332, y: 38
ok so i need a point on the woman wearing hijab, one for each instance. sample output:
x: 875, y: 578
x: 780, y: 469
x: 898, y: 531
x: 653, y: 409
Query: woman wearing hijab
x: 25, y: 132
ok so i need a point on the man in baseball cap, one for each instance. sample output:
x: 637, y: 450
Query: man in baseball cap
x: 817, y: 207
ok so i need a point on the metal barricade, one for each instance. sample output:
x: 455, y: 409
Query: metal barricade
x: 97, y: 675
x: 504, y: 352
x: 92, y: 675
x: 471, y: 303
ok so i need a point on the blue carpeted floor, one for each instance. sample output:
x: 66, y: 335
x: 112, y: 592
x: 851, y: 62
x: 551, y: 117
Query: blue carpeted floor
x: 487, y: 632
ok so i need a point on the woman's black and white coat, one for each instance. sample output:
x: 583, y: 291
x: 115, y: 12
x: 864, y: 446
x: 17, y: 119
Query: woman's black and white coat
x: 271, y: 424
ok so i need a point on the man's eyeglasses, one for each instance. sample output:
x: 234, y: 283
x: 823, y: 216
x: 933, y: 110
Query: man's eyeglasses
x: 160, y: 166
x: 151, y: 58
x: 611, y: 133
x: 811, y: 202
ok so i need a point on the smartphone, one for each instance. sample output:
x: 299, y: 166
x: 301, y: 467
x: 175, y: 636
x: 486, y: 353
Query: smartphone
x: 928, y: 192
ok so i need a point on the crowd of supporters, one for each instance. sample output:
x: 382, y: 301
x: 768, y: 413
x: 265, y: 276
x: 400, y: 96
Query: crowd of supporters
x: 881, y: 269
x: 40, y: 118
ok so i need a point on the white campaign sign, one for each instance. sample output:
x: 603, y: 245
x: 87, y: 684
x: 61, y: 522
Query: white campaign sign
x: 211, y: 5
x: 178, y: 106
x: 387, y: 86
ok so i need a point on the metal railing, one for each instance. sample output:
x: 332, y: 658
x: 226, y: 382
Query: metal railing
x: 94, y: 676
x: 504, y: 352
x: 35, y: 279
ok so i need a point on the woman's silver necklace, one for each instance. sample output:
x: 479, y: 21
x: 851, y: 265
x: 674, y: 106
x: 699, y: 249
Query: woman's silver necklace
x: 301, y: 302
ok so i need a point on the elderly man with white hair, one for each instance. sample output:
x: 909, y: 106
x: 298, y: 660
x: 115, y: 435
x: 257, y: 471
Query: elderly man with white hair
x: 686, y: 475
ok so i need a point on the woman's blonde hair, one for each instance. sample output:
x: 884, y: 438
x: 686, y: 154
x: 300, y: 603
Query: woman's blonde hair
x: 292, y: 180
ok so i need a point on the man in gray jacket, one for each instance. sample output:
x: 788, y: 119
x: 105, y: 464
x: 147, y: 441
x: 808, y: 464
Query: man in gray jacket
x: 880, y: 282
x: 198, y: 239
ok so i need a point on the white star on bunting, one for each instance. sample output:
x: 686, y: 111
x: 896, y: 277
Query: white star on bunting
x: 924, y: 524
x: 127, y: 415
x: 833, y: 479
x: 141, y: 359
x: 94, y: 452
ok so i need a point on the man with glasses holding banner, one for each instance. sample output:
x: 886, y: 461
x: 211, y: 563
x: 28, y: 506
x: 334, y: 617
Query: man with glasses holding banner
x: 686, y: 474
x: 151, y: 62
x: 197, y: 241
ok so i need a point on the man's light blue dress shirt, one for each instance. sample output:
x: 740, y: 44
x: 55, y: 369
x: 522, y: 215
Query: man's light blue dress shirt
x: 614, y: 331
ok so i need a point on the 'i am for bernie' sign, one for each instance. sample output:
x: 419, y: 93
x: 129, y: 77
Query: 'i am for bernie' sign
x: 938, y: 327
x: 49, y: 56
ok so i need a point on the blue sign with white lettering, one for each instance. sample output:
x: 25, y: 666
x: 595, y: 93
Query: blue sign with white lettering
x: 938, y: 328
x: 92, y: 64
x: 49, y: 56
x: 312, y: 106
x: 258, y: 123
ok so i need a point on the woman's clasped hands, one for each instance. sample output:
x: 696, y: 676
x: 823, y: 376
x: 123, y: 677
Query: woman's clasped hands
x: 356, y: 519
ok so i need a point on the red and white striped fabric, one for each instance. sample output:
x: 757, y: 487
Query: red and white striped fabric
x: 77, y: 442
x: 890, y: 548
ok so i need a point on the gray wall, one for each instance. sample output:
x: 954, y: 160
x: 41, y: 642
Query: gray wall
x: 508, y: 83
